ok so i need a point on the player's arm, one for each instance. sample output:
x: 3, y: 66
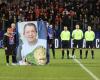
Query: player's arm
x: 61, y: 35
x: 5, y: 42
x: 93, y: 35
x: 69, y: 34
x: 73, y: 34
x: 85, y: 35
x: 82, y: 33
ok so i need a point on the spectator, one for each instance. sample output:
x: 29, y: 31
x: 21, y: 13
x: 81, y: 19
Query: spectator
x: 10, y: 45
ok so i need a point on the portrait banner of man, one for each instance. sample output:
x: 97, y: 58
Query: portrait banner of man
x: 32, y: 48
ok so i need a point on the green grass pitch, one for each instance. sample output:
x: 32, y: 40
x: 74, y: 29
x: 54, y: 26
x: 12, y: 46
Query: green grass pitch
x: 57, y: 69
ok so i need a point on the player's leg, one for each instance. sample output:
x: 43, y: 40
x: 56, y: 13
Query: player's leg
x: 7, y: 56
x: 63, y: 46
x: 62, y: 53
x: 74, y: 45
x: 7, y: 59
x: 73, y: 50
x: 86, y: 52
x: 53, y: 50
x: 92, y: 51
x: 80, y: 44
x: 67, y: 53
x: 80, y: 53
x: 67, y: 49
x: 14, y: 57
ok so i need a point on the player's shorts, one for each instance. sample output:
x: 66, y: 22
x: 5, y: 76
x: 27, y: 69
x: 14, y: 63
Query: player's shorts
x: 77, y: 42
x: 65, y: 44
x: 89, y: 44
x: 51, y: 41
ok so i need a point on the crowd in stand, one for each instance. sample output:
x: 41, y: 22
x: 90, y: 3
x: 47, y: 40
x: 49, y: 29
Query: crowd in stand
x: 58, y: 12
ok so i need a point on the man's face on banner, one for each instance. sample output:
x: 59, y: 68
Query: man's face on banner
x: 30, y: 33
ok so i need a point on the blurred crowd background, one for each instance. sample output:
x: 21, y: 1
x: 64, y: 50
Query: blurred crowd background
x: 56, y: 12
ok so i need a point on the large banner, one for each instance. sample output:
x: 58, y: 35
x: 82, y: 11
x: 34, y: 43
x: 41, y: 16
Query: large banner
x: 32, y: 48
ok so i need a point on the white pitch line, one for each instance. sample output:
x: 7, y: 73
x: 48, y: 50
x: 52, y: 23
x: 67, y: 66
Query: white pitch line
x: 87, y: 70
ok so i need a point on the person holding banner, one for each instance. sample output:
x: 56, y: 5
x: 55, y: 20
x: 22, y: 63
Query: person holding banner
x: 89, y: 37
x: 77, y: 36
x: 65, y: 38
x: 9, y: 42
x: 33, y: 50
x: 51, y: 39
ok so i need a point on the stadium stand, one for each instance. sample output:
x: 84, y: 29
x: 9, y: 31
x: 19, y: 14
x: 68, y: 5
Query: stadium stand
x: 59, y: 13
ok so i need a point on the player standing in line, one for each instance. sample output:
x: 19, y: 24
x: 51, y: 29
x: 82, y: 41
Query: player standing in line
x: 77, y: 36
x: 89, y: 37
x: 65, y: 38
